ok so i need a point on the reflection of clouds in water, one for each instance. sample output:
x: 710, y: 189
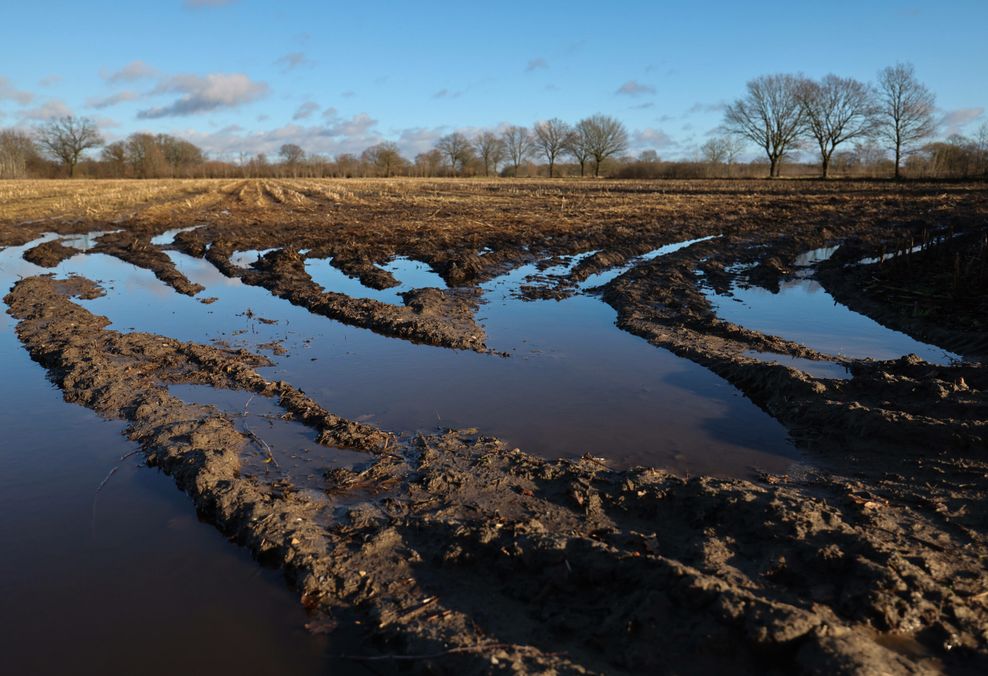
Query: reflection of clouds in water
x: 201, y: 271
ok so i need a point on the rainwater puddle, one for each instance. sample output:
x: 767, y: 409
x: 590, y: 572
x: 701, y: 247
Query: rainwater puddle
x: 411, y: 274
x: 168, y: 236
x: 817, y: 369
x: 122, y: 578
x: 606, y: 276
x: 804, y: 312
x: 244, y: 259
x: 574, y: 382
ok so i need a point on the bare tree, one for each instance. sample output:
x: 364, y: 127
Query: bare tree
x: 602, y: 136
x: 292, y: 155
x: 906, y: 109
x: 578, y: 145
x: 456, y: 147
x: 770, y: 114
x: 552, y: 138
x: 429, y: 163
x: 66, y: 138
x: 837, y: 109
x: 17, y: 153
x: 518, y: 145
x: 490, y: 148
x: 385, y: 158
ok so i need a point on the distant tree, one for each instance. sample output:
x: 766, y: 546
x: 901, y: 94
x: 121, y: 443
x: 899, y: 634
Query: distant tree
x: 385, y: 159
x: 490, y: 150
x: 552, y: 137
x: 518, y: 145
x: 292, y: 155
x: 347, y: 165
x: 17, y: 153
x: 66, y: 138
x: 429, y: 163
x: 905, y: 109
x: 603, y: 136
x: 457, y: 149
x: 114, y: 156
x: 649, y: 156
x: 145, y: 156
x: 578, y: 145
x: 837, y: 109
x: 771, y: 115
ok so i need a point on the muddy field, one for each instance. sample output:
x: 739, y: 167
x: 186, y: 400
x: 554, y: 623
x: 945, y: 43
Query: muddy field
x: 573, y: 427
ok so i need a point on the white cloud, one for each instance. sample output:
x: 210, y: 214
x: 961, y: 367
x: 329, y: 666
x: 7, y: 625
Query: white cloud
x: 953, y: 121
x: 112, y: 100
x: 635, y: 88
x: 133, y: 71
x: 48, y: 110
x: 652, y: 138
x: 11, y: 93
x: 305, y: 110
x: 203, y: 93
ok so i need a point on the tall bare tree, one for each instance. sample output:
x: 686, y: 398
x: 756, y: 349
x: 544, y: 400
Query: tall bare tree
x: 457, y: 149
x: 518, y: 145
x: 552, y: 137
x: 602, y: 136
x: 66, y: 138
x: 837, y: 109
x: 490, y: 149
x: 906, y: 109
x: 578, y: 145
x: 770, y: 115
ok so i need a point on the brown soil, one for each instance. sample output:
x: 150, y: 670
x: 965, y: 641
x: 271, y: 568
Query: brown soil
x: 462, y: 555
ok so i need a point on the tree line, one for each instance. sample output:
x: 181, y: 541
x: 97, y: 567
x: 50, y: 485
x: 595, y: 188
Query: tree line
x: 854, y: 128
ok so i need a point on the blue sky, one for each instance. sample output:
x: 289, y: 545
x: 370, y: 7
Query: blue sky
x: 249, y: 75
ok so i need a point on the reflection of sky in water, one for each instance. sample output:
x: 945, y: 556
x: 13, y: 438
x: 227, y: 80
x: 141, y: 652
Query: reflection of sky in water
x: 817, y: 369
x: 411, y: 274
x: 574, y: 383
x: 168, y: 236
x: 804, y: 312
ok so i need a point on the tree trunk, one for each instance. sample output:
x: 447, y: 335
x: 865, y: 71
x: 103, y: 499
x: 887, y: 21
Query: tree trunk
x: 582, y: 167
x: 773, y: 166
x: 898, y: 156
x: 550, y: 168
x: 826, y: 165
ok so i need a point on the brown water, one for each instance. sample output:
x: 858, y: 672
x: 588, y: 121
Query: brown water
x: 125, y: 574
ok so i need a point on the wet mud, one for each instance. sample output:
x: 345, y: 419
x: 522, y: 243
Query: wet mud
x: 459, y: 553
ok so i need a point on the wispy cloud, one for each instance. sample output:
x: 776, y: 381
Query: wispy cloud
x: 292, y: 60
x: 11, y: 93
x: 635, y: 88
x: 700, y: 107
x: 133, y: 71
x: 199, y: 4
x: 204, y: 93
x: 50, y: 80
x: 305, y: 110
x: 652, y: 138
x: 954, y: 121
x: 447, y: 94
x: 48, y: 110
x: 113, y: 99
x: 535, y: 64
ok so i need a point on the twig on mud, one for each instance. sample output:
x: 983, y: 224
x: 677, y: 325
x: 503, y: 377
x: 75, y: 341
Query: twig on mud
x: 260, y: 442
x: 481, y: 647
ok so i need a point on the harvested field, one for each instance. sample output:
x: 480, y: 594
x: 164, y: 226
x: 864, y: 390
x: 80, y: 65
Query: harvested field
x: 570, y: 426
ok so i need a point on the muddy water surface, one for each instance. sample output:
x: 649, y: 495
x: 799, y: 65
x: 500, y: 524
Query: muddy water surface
x: 121, y: 578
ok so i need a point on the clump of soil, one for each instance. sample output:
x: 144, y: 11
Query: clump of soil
x: 49, y: 254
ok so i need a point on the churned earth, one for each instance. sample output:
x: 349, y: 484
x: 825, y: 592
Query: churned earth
x: 552, y: 426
